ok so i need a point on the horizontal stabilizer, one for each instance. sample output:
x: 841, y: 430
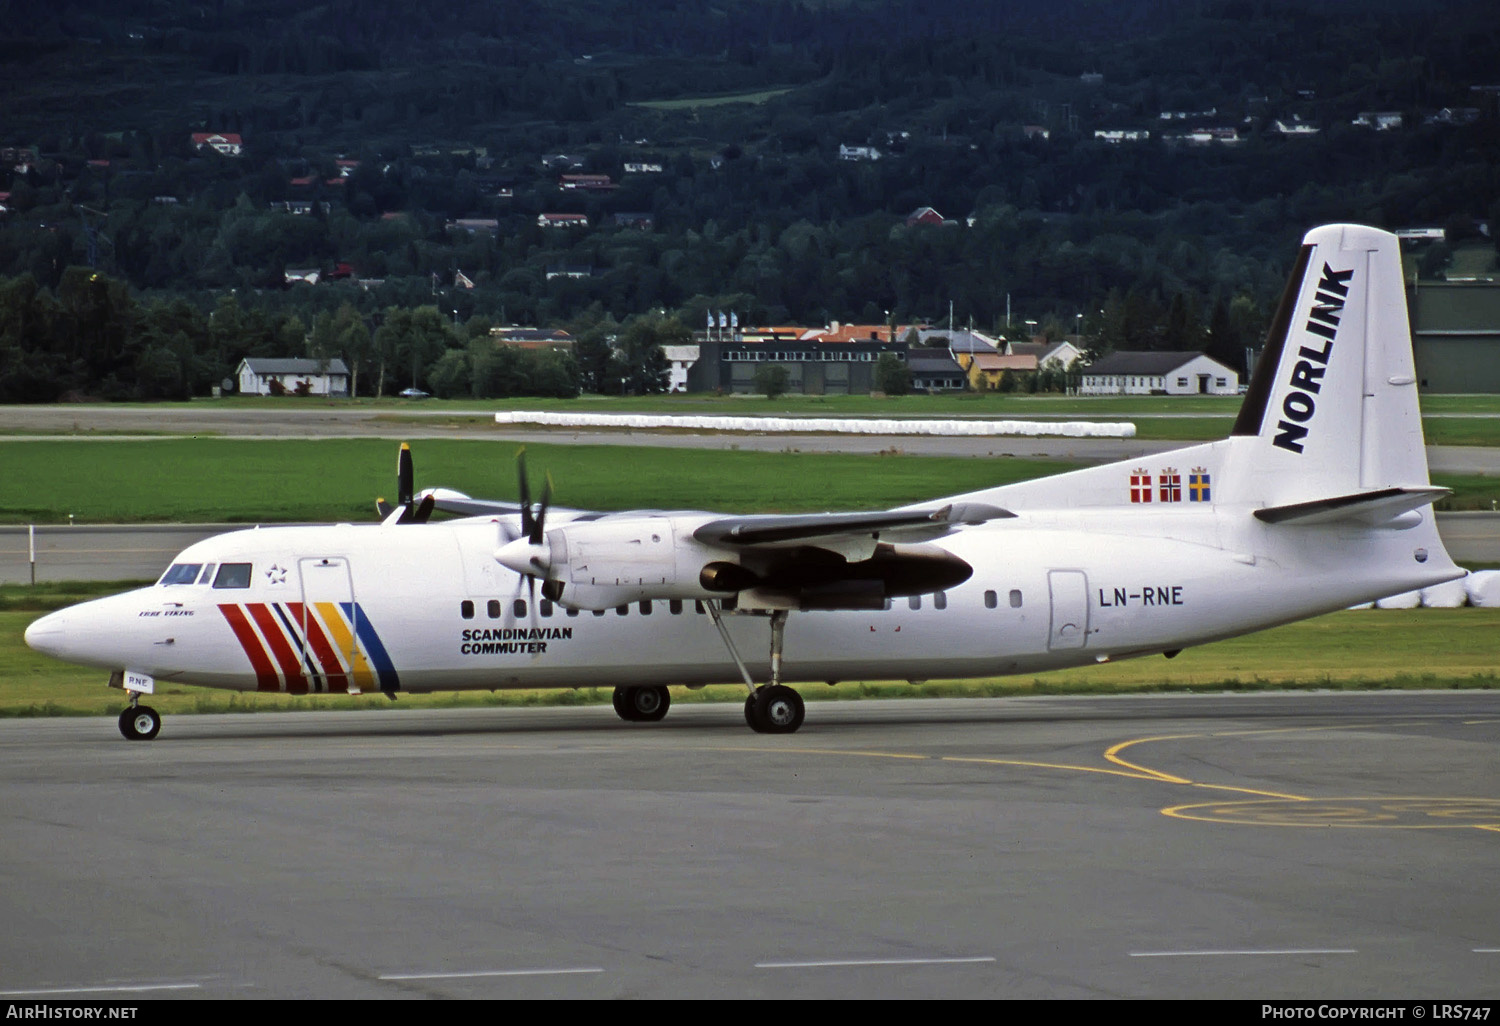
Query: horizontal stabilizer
x: 1370, y: 507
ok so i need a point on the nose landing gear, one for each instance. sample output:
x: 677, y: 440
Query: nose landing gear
x: 139, y: 722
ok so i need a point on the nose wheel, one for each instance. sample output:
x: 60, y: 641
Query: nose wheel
x: 140, y: 723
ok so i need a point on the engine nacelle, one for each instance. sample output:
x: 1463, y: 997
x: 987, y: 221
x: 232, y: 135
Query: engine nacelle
x: 605, y: 563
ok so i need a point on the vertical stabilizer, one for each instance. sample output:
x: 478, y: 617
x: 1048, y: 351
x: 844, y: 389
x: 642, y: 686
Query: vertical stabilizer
x: 1332, y: 405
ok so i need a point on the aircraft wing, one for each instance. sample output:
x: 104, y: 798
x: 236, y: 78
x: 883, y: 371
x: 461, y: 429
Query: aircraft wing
x: 447, y: 500
x: 831, y: 530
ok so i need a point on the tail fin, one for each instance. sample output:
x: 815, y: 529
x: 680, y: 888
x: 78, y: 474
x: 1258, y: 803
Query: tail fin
x: 1333, y: 400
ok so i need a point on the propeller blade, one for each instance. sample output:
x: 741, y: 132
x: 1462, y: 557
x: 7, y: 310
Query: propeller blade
x: 424, y: 509
x: 537, y: 526
x: 405, y: 477
x: 525, y: 494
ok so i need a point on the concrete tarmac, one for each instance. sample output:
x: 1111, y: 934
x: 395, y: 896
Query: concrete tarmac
x: 1262, y: 847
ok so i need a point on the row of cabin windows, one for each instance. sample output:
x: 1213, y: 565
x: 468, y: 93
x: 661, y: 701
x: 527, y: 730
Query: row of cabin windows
x: 495, y: 609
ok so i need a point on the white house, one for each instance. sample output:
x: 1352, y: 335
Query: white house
x: 255, y: 374
x: 1062, y: 354
x: 1136, y: 373
x: 681, y: 358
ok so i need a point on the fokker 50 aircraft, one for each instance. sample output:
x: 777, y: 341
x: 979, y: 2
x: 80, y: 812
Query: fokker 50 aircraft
x: 1318, y: 500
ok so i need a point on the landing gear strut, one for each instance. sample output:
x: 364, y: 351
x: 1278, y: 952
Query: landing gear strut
x: 770, y: 708
x: 643, y: 704
x: 139, y: 722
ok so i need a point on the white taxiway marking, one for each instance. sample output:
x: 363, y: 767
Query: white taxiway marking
x: 122, y: 988
x: 1268, y: 951
x: 490, y: 972
x: 870, y: 961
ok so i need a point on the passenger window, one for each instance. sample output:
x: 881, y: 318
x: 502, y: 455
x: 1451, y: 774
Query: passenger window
x: 622, y: 610
x: 232, y: 575
x: 466, y: 609
x: 598, y: 612
x: 1015, y: 598
x: 674, y: 606
x: 915, y: 602
x: 518, y: 607
x: 646, y: 607
x: 991, y: 600
x: 572, y: 612
x: 493, y: 608
x: 940, y: 600
x: 546, y: 608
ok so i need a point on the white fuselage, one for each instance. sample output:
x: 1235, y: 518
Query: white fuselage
x: 419, y: 608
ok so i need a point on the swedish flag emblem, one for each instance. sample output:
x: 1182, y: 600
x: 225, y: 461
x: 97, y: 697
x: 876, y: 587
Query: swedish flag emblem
x: 1198, y: 486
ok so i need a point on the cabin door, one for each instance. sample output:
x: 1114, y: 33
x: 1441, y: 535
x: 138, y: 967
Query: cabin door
x: 1070, y: 609
x: 330, y: 652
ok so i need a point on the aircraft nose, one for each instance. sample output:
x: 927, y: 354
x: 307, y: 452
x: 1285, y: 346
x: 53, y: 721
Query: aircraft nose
x: 48, y: 634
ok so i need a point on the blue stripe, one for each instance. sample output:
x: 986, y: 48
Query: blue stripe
x: 374, y: 650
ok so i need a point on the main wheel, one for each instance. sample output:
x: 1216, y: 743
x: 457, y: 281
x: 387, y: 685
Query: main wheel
x: 778, y: 710
x: 140, y: 723
x: 649, y: 704
x: 621, y: 699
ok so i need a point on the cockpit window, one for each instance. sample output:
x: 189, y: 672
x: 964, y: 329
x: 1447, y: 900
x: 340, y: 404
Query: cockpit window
x: 181, y: 573
x: 233, y: 575
x: 207, y: 574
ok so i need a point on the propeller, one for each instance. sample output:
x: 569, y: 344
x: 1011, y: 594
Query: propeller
x: 408, y: 510
x: 528, y: 554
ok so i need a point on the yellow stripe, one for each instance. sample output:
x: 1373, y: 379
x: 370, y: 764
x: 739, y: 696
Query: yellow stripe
x: 333, y: 619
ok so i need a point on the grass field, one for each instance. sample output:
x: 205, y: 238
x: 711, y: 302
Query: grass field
x: 209, y: 480
x: 1355, y: 650
x: 265, y: 481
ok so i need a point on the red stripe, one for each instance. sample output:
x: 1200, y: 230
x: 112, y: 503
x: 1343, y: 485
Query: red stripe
x: 291, y: 666
x: 328, y: 659
x: 265, y: 674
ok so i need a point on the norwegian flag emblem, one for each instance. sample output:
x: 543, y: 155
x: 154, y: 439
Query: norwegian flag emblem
x: 1171, y: 485
x: 1140, y: 486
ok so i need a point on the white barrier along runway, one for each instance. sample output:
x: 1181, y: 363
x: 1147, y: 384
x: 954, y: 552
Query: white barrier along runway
x: 834, y: 425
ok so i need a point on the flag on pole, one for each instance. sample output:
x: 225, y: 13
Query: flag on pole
x: 460, y: 278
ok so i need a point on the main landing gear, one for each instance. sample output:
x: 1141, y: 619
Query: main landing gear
x: 770, y: 708
x: 642, y: 704
x: 774, y: 709
x: 139, y: 722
